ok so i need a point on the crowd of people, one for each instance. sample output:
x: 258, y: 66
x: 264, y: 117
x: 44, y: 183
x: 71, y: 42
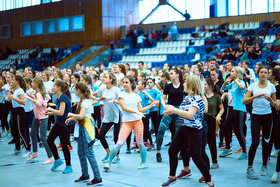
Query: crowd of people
x: 197, y: 103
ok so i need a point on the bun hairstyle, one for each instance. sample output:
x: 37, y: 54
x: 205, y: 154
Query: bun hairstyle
x: 64, y: 87
x: 21, y: 82
x: 132, y: 81
x: 85, y: 95
x: 40, y: 83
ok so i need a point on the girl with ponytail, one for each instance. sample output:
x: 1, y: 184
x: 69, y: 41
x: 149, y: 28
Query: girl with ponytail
x: 86, y: 133
x: 41, y: 119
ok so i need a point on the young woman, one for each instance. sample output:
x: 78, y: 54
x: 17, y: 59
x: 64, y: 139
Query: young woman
x: 175, y: 93
x: 83, y: 115
x: 191, y: 112
x: 238, y: 115
x: 131, y: 119
x: 18, y: 116
x: 41, y: 119
x: 48, y: 84
x: 75, y: 78
x: 5, y: 129
x: 63, y: 107
x: 7, y: 105
x: 109, y: 95
x: 263, y: 96
x: 213, y: 117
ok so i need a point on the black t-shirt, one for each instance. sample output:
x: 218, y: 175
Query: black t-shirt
x: 175, y: 95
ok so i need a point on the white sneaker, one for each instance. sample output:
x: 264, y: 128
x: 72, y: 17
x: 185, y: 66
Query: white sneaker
x: 143, y: 165
x: 275, y: 177
x: 17, y: 152
x: 107, y: 166
x: 27, y: 154
x: 275, y: 153
x: 263, y: 171
x: 1, y: 140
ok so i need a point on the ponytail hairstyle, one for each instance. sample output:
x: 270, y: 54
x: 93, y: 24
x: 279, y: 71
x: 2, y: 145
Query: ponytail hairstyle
x: 85, y: 95
x: 21, y: 82
x: 132, y: 81
x: 64, y: 87
x: 214, y: 87
x: 39, y: 82
x: 87, y: 79
x: 177, y: 71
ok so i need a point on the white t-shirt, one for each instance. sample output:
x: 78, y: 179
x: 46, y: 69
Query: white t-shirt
x: 17, y: 93
x: 261, y: 105
x: 28, y: 107
x: 89, y: 109
x: 111, y: 110
x: 74, y: 98
x: 49, y: 86
x: 6, y: 88
x: 131, y: 101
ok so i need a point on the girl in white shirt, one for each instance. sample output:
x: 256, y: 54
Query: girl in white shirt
x: 131, y: 119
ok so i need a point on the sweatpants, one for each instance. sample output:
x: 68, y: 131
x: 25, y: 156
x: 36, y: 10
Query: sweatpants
x: 64, y: 134
x: 259, y: 122
x: 6, y: 110
x: 18, y: 128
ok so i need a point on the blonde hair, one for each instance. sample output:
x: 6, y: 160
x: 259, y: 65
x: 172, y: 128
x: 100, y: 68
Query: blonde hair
x: 41, y: 86
x: 239, y: 72
x: 193, y: 85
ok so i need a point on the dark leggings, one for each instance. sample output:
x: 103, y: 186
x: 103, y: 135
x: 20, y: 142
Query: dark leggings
x: 147, y: 134
x: 211, y: 137
x: 18, y: 128
x: 104, y: 129
x: 259, y: 122
x: 154, y: 118
x: 7, y: 108
x: 97, y: 116
x: 28, y: 122
x: 236, y: 119
x: 193, y: 138
x: 277, y: 140
x: 64, y: 135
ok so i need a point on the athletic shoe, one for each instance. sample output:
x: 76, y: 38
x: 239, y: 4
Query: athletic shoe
x: 48, y: 161
x: 251, y: 174
x: 263, y: 171
x: 225, y: 153
x: 274, y: 153
x: 169, y: 181
x: 215, y: 166
x: 70, y: 147
x: 95, y: 181
x: 167, y: 145
x: 32, y: 156
x: 275, y: 177
x: 202, y: 179
x: 184, y: 174
x: 56, y: 164
x: 26, y: 154
x: 146, y: 144
x: 105, y: 159
x: 158, y: 156
x: 242, y: 156
x: 41, y: 145
x: 82, y: 178
x: 238, y: 151
x: 67, y: 170
x: 128, y: 151
x: 116, y: 160
x: 17, y: 152
x: 151, y: 147
x: 59, y: 147
x: 107, y: 166
x: 134, y: 145
x: 221, y: 144
x: 143, y: 165
x: 12, y: 141
x: 210, y: 184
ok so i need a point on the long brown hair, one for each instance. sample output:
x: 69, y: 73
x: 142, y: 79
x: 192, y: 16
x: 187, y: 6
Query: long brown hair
x: 85, y: 95
x: 64, y: 87
x: 41, y: 86
x: 21, y: 82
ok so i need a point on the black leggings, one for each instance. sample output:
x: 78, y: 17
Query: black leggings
x: 211, y: 137
x: 147, y: 134
x: 104, y: 129
x: 18, y: 128
x: 258, y: 122
x: 154, y: 118
x: 193, y: 139
x: 64, y: 135
x: 97, y: 116
x: 277, y: 140
x: 6, y: 109
x: 236, y: 119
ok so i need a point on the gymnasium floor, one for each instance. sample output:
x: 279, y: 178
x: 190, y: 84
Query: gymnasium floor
x: 16, y: 172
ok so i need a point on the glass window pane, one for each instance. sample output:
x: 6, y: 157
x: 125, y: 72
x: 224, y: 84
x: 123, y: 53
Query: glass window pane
x: 36, y: 2
x: 248, y: 7
x: 277, y: 5
x: 242, y: 7
x: 63, y: 24
x: 1, y: 5
x: 50, y: 26
x: 38, y: 28
x: 77, y: 23
x: 26, y: 29
x: 259, y: 6
x: 233, y: 8
x: 46, y: 1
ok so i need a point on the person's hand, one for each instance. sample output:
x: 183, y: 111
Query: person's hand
x: 228, y: 80
x: 49, y: 109
x: 111, y: 101
x: 218, y: 119
x: 268, y: 98
x: 157, y: 103
x: 10, y: 95
x: 67, y: 121
x: 101, y: 98
x: 70, y: 114
x: 236, y: 80
x: 141, y: 114
x: 260, y: 95
x: 169, y: 109
x: 153, y: 104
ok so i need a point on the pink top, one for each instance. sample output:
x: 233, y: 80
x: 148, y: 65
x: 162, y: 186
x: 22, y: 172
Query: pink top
x: 40, y: 107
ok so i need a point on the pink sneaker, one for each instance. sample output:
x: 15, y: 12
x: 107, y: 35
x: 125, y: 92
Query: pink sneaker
x: 32, y: 156
x: 49, y: 161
